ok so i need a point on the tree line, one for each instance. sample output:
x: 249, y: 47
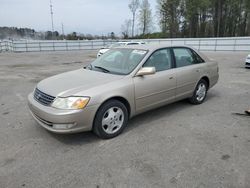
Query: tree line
x: 10, y: 32
x: 189, y: 18
x: 27, y: 33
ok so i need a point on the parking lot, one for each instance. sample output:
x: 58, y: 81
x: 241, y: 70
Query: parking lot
x: 180, y: 145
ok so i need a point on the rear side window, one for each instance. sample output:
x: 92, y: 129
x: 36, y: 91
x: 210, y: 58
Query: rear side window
x: 185, y: 57
x: 161, y: 60
x: 197, y: 58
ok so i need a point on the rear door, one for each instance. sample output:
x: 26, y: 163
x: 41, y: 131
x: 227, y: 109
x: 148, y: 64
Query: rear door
x: 188, y: 71
x: 158, y: 89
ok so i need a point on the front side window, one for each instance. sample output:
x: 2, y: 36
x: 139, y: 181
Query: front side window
x: 161, y: 60
x: 118, y: 61
x: 185, y: 57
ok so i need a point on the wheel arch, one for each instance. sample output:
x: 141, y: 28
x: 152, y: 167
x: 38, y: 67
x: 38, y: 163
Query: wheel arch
x: 119, y: 98
x: 206, y: 79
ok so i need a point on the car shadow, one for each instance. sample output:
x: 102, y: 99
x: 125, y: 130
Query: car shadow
x: 139, y: 120
x: 156, y: 114
x: 167, y: 110
x: 76, y: 138
x: 134, y: 123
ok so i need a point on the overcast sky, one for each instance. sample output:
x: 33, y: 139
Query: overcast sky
x: 85, y: 16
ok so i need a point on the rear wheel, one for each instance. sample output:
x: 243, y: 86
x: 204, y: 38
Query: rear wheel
x: 200, y: 92
x: 111, y: 119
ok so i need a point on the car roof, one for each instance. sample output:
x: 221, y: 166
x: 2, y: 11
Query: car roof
x: 149, y: 47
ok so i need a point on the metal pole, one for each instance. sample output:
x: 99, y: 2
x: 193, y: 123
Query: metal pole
x: 40, y: 46
x: 66, y: 45
x: 63, y: 30
x: 12, y: 45
x: 6, y: 47
x: 199, y: 44
x: 215, y: 47
x: 234, y: 44
x: 53, y: 43
x: 52, y: 19
x: 26, y: 45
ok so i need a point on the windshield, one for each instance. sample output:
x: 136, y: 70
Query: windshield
x: 118, y: 61
x: 116, y: 45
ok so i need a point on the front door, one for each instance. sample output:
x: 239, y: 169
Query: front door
x: 158, y: 89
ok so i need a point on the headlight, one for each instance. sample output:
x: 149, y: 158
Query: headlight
x: 70, y: 103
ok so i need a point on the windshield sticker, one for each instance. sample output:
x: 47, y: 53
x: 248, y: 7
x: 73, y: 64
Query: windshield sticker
x: 140, y: 52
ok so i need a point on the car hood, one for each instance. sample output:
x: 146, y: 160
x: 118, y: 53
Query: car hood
x: 75, y: 82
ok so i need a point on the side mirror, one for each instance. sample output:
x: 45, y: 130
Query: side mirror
x: 146, y: 71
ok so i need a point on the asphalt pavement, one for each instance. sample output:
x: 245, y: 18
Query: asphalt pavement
x: 179, y: 145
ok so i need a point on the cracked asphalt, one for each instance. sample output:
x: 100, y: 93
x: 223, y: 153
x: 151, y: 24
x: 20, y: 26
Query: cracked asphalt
x: 179, y: 145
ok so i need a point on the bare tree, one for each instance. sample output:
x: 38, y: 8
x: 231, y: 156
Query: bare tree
x: 133, y: 6
x: 145, y: 17
x: 125, y: 29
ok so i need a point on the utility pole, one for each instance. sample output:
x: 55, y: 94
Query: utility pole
x: 63, y: 30
x: 51, y: 13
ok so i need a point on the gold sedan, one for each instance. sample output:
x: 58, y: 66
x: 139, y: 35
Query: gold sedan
x: 120, y: 84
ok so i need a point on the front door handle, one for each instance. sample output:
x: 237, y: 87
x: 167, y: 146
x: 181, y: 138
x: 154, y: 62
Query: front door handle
x: 170, y: 78
x: 198, y: 70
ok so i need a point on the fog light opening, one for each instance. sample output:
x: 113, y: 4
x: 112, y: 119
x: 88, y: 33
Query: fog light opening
x: 63, y: 126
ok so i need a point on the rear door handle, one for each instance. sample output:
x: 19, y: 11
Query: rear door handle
x: 170, y: 78
x: 198, y: 70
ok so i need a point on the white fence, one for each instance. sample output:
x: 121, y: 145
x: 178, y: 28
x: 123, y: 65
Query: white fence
x: 202, y: 44
x: 51, y: 45
x: 6, y: 45
x: 210, y: 44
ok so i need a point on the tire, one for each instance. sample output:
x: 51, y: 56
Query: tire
x: 110, y: 119
x: 200, y: 93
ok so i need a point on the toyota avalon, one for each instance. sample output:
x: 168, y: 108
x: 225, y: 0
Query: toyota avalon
x: 122, y: 83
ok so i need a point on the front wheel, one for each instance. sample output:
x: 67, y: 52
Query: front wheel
x: 111, y: 119
x: 200, y: 92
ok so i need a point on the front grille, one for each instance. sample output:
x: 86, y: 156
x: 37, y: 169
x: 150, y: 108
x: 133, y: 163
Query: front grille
x: 43, y: 98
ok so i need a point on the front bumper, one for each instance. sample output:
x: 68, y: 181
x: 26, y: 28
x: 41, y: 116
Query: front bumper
x: 62, y: 121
